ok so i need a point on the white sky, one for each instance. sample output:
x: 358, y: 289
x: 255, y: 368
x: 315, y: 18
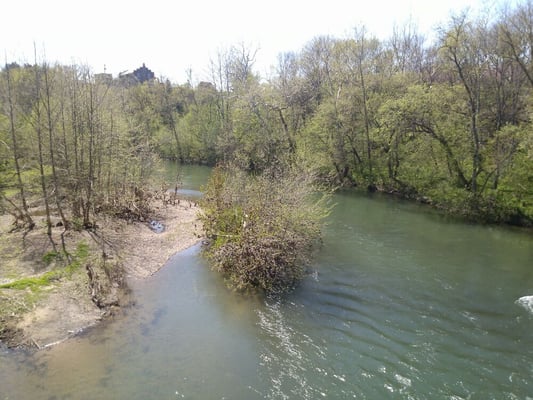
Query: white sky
x: 173, y: 36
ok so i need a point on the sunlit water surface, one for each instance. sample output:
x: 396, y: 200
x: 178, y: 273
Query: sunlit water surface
x: 401, y: 303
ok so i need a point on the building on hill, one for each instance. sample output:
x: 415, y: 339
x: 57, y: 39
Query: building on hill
x: 143, y: 74
x: 140, y: 75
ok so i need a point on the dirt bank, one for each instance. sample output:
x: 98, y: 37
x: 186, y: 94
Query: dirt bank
x: 43, y: 301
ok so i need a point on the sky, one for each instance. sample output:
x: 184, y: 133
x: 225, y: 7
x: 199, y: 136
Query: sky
x: 174, y: 36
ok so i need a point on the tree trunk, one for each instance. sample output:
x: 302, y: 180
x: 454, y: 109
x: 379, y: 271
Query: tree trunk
x: 16, y: 154
x: 38, y: 130
x: 55, y: 180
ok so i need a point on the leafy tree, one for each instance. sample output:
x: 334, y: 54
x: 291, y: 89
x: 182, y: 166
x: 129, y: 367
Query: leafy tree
x: 202, y: 125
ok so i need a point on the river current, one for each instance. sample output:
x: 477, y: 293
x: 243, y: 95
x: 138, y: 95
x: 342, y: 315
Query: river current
x: 401, y: 303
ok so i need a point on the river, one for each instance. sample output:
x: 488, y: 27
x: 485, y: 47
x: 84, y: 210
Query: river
x: 402, y: 303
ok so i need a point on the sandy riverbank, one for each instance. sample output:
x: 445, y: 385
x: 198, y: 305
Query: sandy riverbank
x: 44, y: 315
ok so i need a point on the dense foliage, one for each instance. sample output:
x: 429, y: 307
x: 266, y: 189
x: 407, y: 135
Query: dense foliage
x: 263, y: 228
x: 448, y: 122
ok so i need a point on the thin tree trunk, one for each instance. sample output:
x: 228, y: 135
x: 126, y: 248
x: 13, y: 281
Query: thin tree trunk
x: 365, y: 105
x: 25, y: 213
x: 51, y: 147
x: 90, y: 175
x: 39, y: 132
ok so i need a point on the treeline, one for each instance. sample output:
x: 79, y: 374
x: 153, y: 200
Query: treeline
x: 447, y: 122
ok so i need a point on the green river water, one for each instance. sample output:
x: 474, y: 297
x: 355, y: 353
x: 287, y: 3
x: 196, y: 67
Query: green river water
x: 401, y: 303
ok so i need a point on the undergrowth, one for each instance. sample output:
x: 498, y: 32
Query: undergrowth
x: 35, y: 282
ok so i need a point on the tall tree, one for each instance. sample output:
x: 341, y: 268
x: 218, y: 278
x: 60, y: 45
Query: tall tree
x: 517, y: 34
x: 463, y: 46
x: 16, y: 152
x: 51, y: 119
x: 38, y: 122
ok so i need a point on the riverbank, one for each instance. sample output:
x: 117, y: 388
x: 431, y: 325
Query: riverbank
x: 45, y: 299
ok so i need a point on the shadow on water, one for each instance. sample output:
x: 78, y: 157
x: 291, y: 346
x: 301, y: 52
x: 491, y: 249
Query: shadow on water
x: 400, y: 304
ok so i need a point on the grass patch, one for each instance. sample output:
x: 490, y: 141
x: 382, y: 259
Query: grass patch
x: 82, y: 252
x: 36, y: 282
x: 33, y: 282
x: 51, y: 256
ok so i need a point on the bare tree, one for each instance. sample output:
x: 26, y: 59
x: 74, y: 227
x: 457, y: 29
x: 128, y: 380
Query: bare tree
x: 50, y: 125
x: 37, y: 122
x: 517, y: 34
x: 15, y: 148
x: 408, y: 48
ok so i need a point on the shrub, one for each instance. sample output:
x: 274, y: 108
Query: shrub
x: 262, y: 228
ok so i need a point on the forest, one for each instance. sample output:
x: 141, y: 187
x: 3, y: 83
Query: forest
x: 446, y: 121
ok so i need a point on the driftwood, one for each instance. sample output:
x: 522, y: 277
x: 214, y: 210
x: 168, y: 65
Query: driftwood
x: 107, y: 283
